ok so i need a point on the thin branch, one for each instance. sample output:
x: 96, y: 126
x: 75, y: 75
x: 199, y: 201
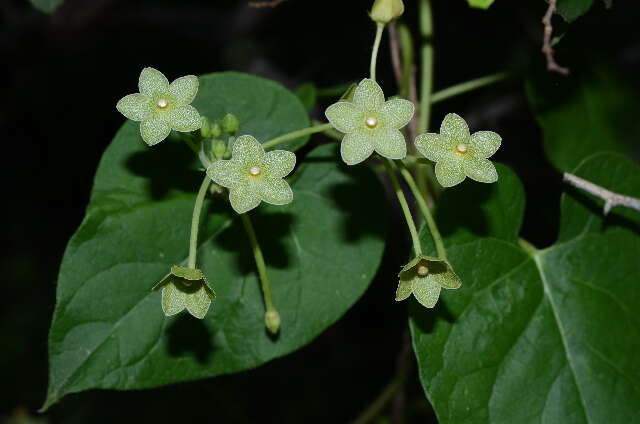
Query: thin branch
x: 261, y: 4
x: 394, y: 47
x: 611, y: 199
x: 548, y: 51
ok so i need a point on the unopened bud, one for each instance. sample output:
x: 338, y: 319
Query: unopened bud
x: 384, y: 11
x: 272, y: 321
x: 230, y: 123
x: 218, y: 148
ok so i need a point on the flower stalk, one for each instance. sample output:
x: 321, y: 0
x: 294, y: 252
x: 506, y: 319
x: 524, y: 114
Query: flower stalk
x: 195, y: 222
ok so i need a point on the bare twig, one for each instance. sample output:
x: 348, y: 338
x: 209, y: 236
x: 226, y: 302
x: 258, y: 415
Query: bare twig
x: 548, y: 51
x: 611, y: 199
x: 260, y: 4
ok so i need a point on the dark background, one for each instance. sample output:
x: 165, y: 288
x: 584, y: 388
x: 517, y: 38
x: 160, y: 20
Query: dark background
x: 63, y: 75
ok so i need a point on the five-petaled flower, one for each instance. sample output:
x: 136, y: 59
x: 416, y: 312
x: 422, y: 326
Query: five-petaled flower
x: 370, y: 123
x: 425, y: 276
x: 185, y: 288
x: 457, y: 153
x: 252, y: 176
x: 161, y: 107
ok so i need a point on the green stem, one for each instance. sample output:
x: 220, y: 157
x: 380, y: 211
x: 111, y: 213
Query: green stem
x: 189, y: 142
x: 405, y: 207
x: 262, y: 268
x: 374, y: 53
x: 295, y: 134
x: 195, y: 222
x: 467, y: 86
x: 527, y: 247
x: 424, y: 208
x: 406, y: 44
x: 426, y: 79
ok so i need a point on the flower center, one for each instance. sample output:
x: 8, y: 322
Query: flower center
x: 371, y: 122
x: 423, y: 270
x: 254, y: 171
x: 162, y: 103
x: 461, y: 148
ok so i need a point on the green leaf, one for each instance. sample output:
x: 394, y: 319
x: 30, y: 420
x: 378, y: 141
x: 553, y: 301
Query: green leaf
x: 46, y: 6
x: 583, y: 115
x: 308, y: 95
x: 573, y: 9
x: 480, y: 4
x: 322, y: 251
x: 536, y: 335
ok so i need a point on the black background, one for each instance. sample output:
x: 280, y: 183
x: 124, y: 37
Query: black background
x: 63, y: 75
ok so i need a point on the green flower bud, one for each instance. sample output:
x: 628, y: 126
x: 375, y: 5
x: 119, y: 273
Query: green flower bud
x: 205, y: 129
x: 215, y: 130
x: 272, y: 321
x: 230, y: 123
x: 218, y: 148
x: 384, y: 11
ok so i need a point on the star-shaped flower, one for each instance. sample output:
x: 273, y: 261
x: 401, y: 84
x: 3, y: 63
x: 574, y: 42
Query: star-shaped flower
x: 425, y: 276
x: 161, y: 107
x: 252, y: 176
x: 185, y: 288
x: 457, y: 153
x: 370, y: 123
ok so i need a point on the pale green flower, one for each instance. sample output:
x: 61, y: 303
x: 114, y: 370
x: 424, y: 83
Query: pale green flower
x: 370, y: 124
x: 252, y: 176
x: 185, y: 288
x: 458, y: 154
x: 425, y: 276
x: 161, y: 107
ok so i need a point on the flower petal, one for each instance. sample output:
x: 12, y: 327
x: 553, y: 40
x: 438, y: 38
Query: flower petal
x: 397, y: 113
x: 279, y: 163
x: 455, y: 128
x: 227, y: 173
x: 152, y: 82
x: 243, y: 199
x: 391, y: 144
x: 449, y: 171
x: 275, y: 192
x: 481, y: 170
x: 432, y: 146
x: 198, y: 303
x: 248, y: 151
x: 484, y: 144
x: 154, y: 130
x: 134, y: 106
x: 184, y: 89
x: 173, y: 300
x: 368, y: 95
x: 355, y: 148
x: 404, y: 290
x: 184, y: 119
x: 343, y: 116
x: 445, y: 276
x: 426, y: 292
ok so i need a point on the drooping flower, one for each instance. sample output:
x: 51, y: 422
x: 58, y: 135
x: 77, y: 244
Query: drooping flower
x: 384, y: 11
x: 425, y: 277
x: 370, y: 123
x: 252, y: 176
x: 458, y: 154
x: 161, y: 107
x: 185, y: 288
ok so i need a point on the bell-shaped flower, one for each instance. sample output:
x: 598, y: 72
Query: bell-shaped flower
x: 253, y: 175
x: 458, y: 154
x: 425, y: 276
x: 161, y: 107
x: 370, y: 123
x: 185, y: 288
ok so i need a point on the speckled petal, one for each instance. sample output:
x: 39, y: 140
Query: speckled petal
x: 455, y: 128
x: 154, y: 130
x: 426, y: 292
x: 275, y: 192
x: 152, y: 82
x: 481, y: 170
x: 248, y: 151
x: 243, y: 199
x: 432, y: 146
x: 198, y: 303
x: 448, y: 279
x: 449, y: 171
x: 134, y: 106
x: 227, y: 173
x: 391, y: 144
x: 368, y: 95
x: 404, y: 290
x: 184, y: 118
x: 343, y: 116
x: 397, y: 113
x: 484, y: 144
x: 355, y: 148
x: 184, y: 89
x: 279, y: 163
x: 173, y: 300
